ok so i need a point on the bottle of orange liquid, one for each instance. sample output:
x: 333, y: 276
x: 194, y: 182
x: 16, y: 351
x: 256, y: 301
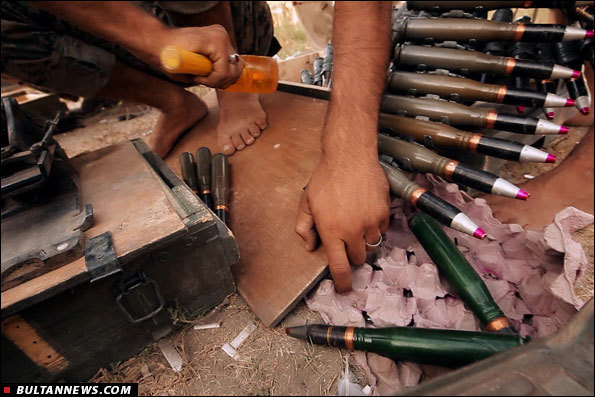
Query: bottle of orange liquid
x: 260, y: 74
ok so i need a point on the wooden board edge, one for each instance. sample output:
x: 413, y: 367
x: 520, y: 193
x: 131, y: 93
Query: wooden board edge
x: 273, y: 322
x: 48, y: 284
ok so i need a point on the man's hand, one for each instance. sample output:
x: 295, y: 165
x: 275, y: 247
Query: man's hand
x: 211, y: 41
x: 347, y: 200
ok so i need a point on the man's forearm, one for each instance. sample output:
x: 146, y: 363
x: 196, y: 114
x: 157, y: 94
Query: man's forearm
x: 361, y: 38
x: 122, y: 23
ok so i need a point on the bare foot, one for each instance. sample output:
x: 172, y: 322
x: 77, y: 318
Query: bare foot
x: 241, y: 120
x: 182, y: 113
x: 568, y: 185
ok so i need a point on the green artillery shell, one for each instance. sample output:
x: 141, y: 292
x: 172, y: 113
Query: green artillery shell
x: 221, y: 180
x: 462, y: 89
x: 444, y: 347
x: 203, y: 172
x: 458, y: 272
x: 462, y: 29
x: 464, y: 61
x: 188, y: 171
x: 438, y: 135
x: 411, y: 156
x: 457, y: 114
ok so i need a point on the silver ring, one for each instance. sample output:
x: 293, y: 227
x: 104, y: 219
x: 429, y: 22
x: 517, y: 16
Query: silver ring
x: 377, y: 244
x: 234, y: 59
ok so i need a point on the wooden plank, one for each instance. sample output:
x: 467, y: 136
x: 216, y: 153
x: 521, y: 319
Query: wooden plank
x: 43, y: 283
x: 274, y: 270
x: 127, y: 199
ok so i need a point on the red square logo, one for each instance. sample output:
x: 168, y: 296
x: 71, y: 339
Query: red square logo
x: 6, y: 389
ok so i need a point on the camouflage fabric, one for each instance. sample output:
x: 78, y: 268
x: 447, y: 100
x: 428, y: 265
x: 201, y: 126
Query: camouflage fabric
x: 51, y: 54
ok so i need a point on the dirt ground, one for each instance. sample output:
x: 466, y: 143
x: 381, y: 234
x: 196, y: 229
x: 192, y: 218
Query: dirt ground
x: 270, y: 362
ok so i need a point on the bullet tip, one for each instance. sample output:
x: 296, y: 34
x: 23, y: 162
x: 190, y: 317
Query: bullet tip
x: 563, y: 130
x: 550, y: 115
x: 522, y: 195
x: 479, y: 233
x: 550, y: 158
x: 585, y: 110
x: 588, y: 34
x: 576, y: 73
x: 288, y: 331
x: 569, y: 102
x: 520, y: 109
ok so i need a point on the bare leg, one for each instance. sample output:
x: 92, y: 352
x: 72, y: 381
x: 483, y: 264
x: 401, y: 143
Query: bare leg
x: 179, y: 108
x: 241, y: 116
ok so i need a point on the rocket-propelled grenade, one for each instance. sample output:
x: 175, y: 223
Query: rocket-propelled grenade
x: 220, y: 180
x: 460, y: 275
x: 462, y: 29
x: 462, y: 89
x: 432, y: 134
x: 457, y: 114
x: 425, y: 201
x: 465, y: 61
x: 203, y: 172
x: 415, y: 157
x: 445, y: 347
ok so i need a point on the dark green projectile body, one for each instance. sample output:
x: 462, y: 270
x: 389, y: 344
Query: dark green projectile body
x: 415, y: 157
x: 455, y: 268
x: 466, y: 62
x: 203, y: 173
x: 460, y: 89
x: 220, y: 180
x: 450, y: 348
x: 465, y: 29
x: 188, y: 171
x: 457, y: 114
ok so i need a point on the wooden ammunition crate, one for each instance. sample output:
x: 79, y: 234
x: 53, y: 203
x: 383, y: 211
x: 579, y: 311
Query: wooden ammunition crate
x: 154, y: 251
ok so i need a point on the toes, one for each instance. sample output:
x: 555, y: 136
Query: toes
x: 227, y: 146
x: 254, y: 131
x: 261, y: 123
x: 247, y: 138
x: 238, y: 142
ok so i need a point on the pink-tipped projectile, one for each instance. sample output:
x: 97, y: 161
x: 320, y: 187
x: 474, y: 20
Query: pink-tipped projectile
x: 522, y: 195
x: 550, y: 115
x: 479, y: 233
x: 563, y: 130
x: 520, y: 109
x: 569, y: 102
x: 576, y: 74
x: 551, y: 158
x: 585, y: 110
x: 588, y: 34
